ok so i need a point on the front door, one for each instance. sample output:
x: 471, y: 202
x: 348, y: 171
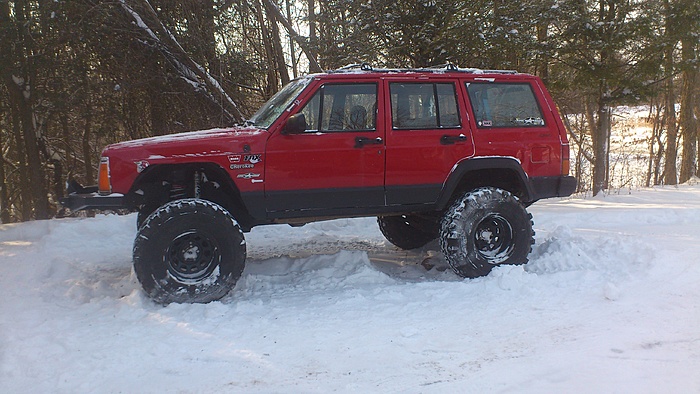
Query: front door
x: 337, y: 164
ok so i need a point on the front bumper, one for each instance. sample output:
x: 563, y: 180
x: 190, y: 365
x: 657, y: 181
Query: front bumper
x: 80, y: 197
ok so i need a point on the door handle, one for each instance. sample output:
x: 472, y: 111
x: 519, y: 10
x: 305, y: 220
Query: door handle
x: 452, y: 139
x: 362, y: 141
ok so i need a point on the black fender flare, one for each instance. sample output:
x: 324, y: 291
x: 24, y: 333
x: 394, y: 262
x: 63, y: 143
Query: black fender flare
x: 233, y: 201
x: 502, y: 172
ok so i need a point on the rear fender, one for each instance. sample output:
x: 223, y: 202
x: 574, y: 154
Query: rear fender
x: 502, y: 172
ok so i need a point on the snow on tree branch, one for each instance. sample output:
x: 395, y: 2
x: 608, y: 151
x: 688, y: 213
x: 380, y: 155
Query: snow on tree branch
x: 188, y: 69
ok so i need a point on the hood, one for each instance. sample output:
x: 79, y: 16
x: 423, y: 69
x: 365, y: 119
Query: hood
x: 221, y: 146
x: 193, y: 142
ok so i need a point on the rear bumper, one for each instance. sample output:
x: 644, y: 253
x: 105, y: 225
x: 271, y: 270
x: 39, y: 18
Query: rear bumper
x: 80, y: 197
x: 552, y: 186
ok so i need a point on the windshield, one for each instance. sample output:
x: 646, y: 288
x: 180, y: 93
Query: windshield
x: 273, y: 108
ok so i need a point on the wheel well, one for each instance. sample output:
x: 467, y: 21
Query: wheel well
x: 159, y: 184
x: 495, y: 177
x: 502, y: 178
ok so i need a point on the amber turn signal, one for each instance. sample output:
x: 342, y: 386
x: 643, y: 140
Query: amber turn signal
x: 103, y: 181
x: 565, y: 167
x: 565, y: 160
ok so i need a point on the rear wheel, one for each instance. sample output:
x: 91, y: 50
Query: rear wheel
x: 485, y: 228
x: 189, y: 251
x: 409, y: 231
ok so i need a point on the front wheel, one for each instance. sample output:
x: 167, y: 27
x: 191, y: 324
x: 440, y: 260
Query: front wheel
x: 485, y: 228
x: 143, y: 214
x: 189, y: 251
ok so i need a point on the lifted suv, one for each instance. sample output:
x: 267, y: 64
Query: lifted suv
x: 449, y: 153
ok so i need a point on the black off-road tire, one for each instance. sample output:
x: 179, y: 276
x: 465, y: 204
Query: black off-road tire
x: 189, y: 251
x: 408, y: 231
x: 143, y: 214
x: 484, y: 228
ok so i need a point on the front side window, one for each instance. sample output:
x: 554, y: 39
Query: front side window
x: 504, y: 105
x: 423, y: 106
x: 342, y: 107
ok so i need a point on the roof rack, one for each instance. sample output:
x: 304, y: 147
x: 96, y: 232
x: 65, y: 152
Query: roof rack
x: 361, y: 66
x: 448, y: 67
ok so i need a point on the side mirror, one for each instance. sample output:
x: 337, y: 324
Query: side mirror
x: 296, y: 124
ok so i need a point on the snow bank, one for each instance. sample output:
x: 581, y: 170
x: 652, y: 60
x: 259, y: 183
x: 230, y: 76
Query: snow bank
x: 607, y: 303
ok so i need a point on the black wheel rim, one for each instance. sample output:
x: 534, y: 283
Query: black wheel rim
x: 192, y: 256
x: 493, y: 238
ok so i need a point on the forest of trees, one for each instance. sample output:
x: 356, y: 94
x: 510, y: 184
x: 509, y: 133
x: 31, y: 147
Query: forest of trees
x: 76, y: 75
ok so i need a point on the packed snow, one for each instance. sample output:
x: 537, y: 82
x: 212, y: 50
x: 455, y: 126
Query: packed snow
x: 609, y: 303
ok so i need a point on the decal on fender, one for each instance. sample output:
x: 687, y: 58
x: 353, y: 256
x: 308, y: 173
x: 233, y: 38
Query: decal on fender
x: 241, y: 166
x: 249, y: 175
x: 141, y: 165
x: 253, y: 159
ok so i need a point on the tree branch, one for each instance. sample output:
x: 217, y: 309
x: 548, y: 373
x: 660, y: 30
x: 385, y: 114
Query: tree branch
x: 314, y: 67
x: 189, y: 70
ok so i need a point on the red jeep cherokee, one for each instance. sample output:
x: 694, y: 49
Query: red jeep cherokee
x: 450, y: 153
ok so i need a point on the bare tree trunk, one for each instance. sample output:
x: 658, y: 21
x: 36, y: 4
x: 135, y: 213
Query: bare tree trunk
x: 158, y: 118
x: 670, y: 170
x: 688, y: 122
x: 658, y: 173
x: 599, y: 124
x: 4, y: 63
x: 581, y: 150
x: 696, y: 105
x: 601, y: 141
x: 34, y: 162
x: 542, y: 63
x: 87, y: 152
x: 27, y: 137
x: 4, y: 201
x: 25, y: 201
x: 292, y: 50
x: 272, y: 82
x: 654, y: 140
x: 313, y: 63
x: 21, y: 95
x: 207, y: 32
x: 313, y: 39
x: 276, y: 40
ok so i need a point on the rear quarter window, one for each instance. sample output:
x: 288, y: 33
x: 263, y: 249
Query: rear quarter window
x: 504, y: 105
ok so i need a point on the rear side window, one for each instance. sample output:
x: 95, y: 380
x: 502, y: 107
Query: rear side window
x: 423, y: 106
x: 504, y: 105
x: 342, y: 107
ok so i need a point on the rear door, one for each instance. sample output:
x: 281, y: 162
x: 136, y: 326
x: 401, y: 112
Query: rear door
x: 335, y: 166
x: 427, y: 134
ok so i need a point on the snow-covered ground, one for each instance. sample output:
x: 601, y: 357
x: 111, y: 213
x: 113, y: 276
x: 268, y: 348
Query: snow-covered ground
x: 609, y: 303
